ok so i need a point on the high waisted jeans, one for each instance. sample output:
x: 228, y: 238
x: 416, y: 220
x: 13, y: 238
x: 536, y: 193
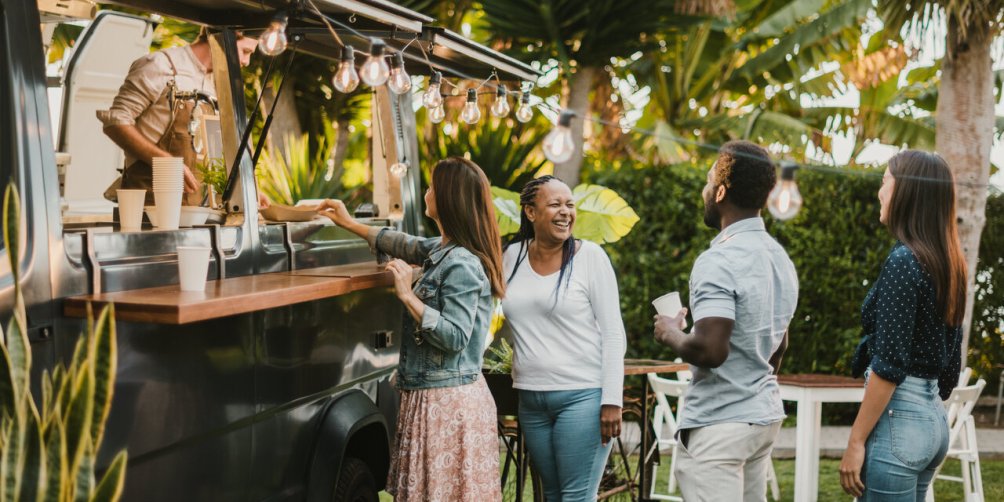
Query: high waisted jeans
x: 562, y: 430
x: 907, y: 444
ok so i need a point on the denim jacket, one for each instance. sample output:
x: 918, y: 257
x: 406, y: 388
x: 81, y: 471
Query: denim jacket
x: 447, y: 347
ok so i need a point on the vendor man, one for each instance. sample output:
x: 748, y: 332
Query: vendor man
x: 148, y: 118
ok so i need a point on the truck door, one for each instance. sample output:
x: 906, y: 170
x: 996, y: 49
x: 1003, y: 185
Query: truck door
x: 95, y: 71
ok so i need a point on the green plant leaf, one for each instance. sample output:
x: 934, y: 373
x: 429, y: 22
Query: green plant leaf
x: 104, y: 356
x: 33, y: 470
x: 78, y: 419
x: 110, y: 488
x: 8, y: 393
x: 19, y: 352
x: 507, y: 210
x: 602, y: 215
x: 55, y: 446
x: 13, y: 455
x: 83, y: 475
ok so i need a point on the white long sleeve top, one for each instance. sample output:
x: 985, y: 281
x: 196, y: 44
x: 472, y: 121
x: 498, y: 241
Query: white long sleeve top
x: 572, y: 341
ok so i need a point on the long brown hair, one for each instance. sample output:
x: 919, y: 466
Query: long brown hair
x: 467, y: 214
x: 922, y: 216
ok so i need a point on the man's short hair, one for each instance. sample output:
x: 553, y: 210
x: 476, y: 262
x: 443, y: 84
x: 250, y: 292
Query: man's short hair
x: 746, y: 171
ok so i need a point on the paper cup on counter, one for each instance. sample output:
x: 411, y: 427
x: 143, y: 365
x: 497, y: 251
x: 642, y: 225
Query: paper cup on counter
x: 168, y: 208
x: 669, y: 305
x: 130, y: 209
x: 193, y: 264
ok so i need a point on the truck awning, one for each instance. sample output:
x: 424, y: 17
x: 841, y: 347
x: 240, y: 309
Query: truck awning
x: 355, y: 21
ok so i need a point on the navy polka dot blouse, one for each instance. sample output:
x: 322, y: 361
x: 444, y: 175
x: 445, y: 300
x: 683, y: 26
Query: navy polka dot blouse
x: 903, y: 331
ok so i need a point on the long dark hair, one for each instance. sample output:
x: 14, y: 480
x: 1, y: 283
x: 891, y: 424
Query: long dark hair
x: 922, y: 216
x: 528, y: 197
x: 467, y: 214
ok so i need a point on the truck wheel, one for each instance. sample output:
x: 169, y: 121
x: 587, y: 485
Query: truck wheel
x: 356, y: 483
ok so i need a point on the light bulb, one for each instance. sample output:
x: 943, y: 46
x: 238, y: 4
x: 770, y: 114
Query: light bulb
x: 784, y: 200
x: 471, y: 114
x: 399, y: 169
x: 399, y: 82
x: 346, y: 79
x: 500, y: 108
x: 437, y: 114
x: 433, y: 97
x: 559, y: 145
x: 273, y: 40
x: 375, y: 70
x: 524, y: 113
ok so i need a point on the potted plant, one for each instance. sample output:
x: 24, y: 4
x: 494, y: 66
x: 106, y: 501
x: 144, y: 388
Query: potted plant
x: 497, y: 370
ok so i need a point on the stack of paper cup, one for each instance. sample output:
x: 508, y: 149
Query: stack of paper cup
x: 168, y: 189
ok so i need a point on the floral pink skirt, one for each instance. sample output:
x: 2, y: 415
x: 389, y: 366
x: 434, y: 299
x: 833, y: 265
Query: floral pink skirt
x: 446, y: 448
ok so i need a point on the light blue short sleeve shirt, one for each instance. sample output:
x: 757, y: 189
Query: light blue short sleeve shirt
x: 745, y: 276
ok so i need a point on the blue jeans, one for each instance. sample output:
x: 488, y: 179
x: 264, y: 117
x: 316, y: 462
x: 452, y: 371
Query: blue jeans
x: 562, y: 433
x: 907, y: 444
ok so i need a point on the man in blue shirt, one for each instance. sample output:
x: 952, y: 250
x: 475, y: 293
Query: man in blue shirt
x: 743, y: 292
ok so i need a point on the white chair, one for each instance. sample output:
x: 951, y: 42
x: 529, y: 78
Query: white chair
x: 665, y: 425
x: 962, y: 442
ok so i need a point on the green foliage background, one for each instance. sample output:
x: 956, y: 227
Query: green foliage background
x: 836, y: 243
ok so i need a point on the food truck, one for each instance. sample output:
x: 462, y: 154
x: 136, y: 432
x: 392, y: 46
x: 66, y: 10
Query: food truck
x: 274, y: 383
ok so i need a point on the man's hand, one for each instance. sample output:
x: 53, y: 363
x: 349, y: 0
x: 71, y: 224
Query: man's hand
x: 191, y: 184
x: 665, y: 324
x: 263, y: 201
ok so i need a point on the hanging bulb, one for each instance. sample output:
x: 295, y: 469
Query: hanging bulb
x: 433, y: 97
x: 346, y: 79
x: 559, y: 145
x: 500, y: 108
x: 784, y: 200
x: 524, y: 113
x: 399, y: 169
x: 273, y: 40
x: 471, y: 114
x: 375, y: 70
x: 399, y: 82
x: 437, y: 114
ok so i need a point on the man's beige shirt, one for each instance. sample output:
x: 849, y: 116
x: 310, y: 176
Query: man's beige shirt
x: 142, y: 99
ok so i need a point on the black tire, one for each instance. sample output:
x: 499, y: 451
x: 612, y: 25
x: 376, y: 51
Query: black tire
x: 355, y: 483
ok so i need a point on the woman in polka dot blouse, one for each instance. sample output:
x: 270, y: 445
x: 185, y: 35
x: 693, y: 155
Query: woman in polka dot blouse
x: 912, y: 332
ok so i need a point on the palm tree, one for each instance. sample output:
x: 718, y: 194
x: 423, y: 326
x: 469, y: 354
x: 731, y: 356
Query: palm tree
x: 964, y: 118
x: 583, y: 35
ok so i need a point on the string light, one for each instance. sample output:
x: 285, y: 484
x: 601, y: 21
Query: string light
x: 471, y: 114
x: 375, y: 70
x: 346, y: 79
x: 500, y: 108
x: 558, y: 144
x: 524, y: 113
x: 433, y: 96
x: 399, y: 169
x: 399, y: 82
x: 437, y: 114
x: 784, y: 200
x: 273, y: 40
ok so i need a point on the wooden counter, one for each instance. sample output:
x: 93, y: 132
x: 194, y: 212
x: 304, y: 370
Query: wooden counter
x: 238, y: 295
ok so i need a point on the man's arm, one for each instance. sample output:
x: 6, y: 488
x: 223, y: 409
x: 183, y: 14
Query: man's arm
x: 706, y: 346
x: 775, y: 359
x: 128, y: 138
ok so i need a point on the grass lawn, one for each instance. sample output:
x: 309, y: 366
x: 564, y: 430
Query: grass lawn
x: 829, y: 482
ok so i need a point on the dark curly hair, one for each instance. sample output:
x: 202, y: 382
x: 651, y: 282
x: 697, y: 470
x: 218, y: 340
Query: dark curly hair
x: 746, y: 171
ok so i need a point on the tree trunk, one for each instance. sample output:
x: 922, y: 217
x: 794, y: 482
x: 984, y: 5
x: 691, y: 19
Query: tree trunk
x: 286, y: 121
x: 341, y: 147
x: 964, y: 128
x: 577, y: 100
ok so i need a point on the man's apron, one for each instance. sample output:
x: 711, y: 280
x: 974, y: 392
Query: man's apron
x: 178, y: 139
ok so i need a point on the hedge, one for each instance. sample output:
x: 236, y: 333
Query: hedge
x: 836, y: 243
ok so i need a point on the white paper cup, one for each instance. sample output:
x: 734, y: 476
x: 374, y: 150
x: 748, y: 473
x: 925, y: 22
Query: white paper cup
x: 193, y: 263
x: 131, y: 209
x: 669, y: 305
x: 168, y: 208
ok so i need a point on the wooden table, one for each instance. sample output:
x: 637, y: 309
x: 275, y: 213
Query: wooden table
x: 810, y: 391
x: 233, y: 296
x: 644, y: 367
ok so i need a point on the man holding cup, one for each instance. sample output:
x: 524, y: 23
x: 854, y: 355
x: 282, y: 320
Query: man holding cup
x: 743, y: 292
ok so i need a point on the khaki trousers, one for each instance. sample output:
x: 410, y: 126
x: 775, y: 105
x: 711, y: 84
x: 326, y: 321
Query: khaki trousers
x: 725, y: 462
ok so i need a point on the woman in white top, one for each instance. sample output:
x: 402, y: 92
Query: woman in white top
x: 563, y: 315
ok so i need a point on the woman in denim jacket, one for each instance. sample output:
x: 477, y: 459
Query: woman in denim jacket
x: 446, y: 447
x: 912, y: 326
